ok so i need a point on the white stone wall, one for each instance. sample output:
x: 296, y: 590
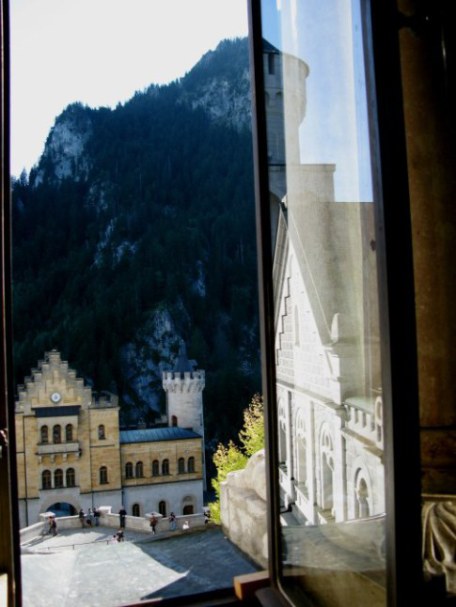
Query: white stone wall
x: 243, y: 508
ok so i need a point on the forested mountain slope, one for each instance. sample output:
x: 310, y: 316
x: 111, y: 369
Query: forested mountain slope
x: 135, y: 230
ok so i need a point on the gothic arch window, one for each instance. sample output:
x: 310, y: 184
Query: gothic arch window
x: 46, y: 480
x: 44, y: 433
x: 162, y: 508
x: 101, y: 432
x: 174, y: 421
x: 139, y: 470
x: 70, y: 477
x: 69, y: 433
x: 57, y: 434
x: 181, y: 465
x: 326, y: 472
x: 165, y: 467
x: 361, y: 498
x: 282, y: 435
x: 103, y: 475
x: 155, y: 468
x: 128, y: 470
x: 191, y: 464
x: 58, y: 478
x: 301, y: 451
x: 136, y: 510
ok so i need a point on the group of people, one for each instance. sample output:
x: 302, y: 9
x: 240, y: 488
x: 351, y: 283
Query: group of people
x: 91, y: 518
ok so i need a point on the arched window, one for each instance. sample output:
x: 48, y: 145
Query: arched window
x: 165, y: 467
x: 162, y: 508
x: 173, y: 421
x: 139, y: 472
x: 327, y: 472
x: 191, y: 464
x: 58, y: 478
x: 46, y: 481
x: 70, y: 477
x: 57, y: 434
x: 361, y: 498
x: 136, y: 510
x: 103, y: 475
x: 155, y: 468
x: 128, y: 470
x: 181, y: 465
x: 44, y: 431
x: 187, y: 509
x: 69, y: 433
x: 101, y: 432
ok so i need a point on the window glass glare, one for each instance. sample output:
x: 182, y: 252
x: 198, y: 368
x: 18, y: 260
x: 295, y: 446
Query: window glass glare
x: 328, y: 372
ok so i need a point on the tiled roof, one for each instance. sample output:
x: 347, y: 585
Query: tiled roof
x: 151, y: 435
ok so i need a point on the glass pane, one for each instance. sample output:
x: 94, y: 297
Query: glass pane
x: 328, y: 371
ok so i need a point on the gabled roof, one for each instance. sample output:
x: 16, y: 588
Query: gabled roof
x: 153, y: 435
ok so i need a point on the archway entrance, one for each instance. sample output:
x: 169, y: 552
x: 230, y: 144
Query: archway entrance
x: 62, y: 509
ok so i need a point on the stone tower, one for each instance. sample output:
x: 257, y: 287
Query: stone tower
x: 184, y: 394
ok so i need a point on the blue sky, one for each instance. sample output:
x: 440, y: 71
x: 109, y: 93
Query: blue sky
x: 99, y: 53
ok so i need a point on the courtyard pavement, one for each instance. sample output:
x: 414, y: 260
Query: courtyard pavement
x: 88, y: 568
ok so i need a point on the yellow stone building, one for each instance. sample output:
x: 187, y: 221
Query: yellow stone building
x: 71, y: 453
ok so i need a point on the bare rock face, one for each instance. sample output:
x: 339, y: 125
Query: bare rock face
x: 64, y: 154
x: 243, y: 508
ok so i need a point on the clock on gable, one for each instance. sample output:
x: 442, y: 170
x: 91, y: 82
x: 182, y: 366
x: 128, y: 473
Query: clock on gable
x: 55, y: 397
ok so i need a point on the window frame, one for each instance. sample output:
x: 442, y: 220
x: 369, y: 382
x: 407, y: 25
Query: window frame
x: 396, y: 294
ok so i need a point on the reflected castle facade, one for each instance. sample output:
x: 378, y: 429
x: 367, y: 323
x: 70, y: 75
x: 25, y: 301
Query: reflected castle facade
x: 326, y: 317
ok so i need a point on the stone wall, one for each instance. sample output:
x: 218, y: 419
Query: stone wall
x: 243, y: 509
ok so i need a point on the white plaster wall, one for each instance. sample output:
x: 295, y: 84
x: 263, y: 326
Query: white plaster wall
x: 149, y: 496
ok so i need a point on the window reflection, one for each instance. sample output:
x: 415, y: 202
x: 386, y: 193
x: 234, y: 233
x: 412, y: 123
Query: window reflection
x: 328, y: 373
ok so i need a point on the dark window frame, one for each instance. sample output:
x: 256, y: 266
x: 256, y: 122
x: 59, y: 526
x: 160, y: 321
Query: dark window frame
x: 399, y: 355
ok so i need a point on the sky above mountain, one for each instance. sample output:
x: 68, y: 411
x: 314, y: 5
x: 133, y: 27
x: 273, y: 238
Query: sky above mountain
x: 99, y: 53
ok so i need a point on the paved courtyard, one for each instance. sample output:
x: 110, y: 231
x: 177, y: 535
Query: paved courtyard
x: 87, y: 567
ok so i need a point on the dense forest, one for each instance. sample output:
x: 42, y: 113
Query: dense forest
x: 134, y: 231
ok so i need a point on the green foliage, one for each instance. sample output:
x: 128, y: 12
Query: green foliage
x: 252, y: 433
x: 231, y: 458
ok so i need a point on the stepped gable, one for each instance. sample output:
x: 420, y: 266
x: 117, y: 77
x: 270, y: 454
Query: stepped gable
x: 54, y: 384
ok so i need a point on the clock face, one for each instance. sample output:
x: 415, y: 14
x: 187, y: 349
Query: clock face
x: 55, y: 397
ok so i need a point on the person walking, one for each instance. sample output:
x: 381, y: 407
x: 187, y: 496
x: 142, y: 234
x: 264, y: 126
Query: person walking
x: 96, y: 514
x: 122, y: 515
x: 53, y: 526
x: 82, y: 517
x: 172, y: 521
x: 153, y: 523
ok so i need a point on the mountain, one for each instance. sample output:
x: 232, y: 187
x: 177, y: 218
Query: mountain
x: 135, y: 230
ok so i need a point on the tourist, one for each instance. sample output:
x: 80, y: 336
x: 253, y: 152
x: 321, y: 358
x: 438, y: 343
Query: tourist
x: 153, y: 523
x: 172, y: 521
x: 119, y: 536
x: 207, y: 516
x: 82, y: 517
x: 53, y: 525
x: 96, y: 514
x: 89, y: 519
x: 122, y: 515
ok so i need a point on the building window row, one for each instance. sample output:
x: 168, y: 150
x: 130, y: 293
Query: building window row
x: 61, y: 478
x: 137, y: 470
x: 57, y: 434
